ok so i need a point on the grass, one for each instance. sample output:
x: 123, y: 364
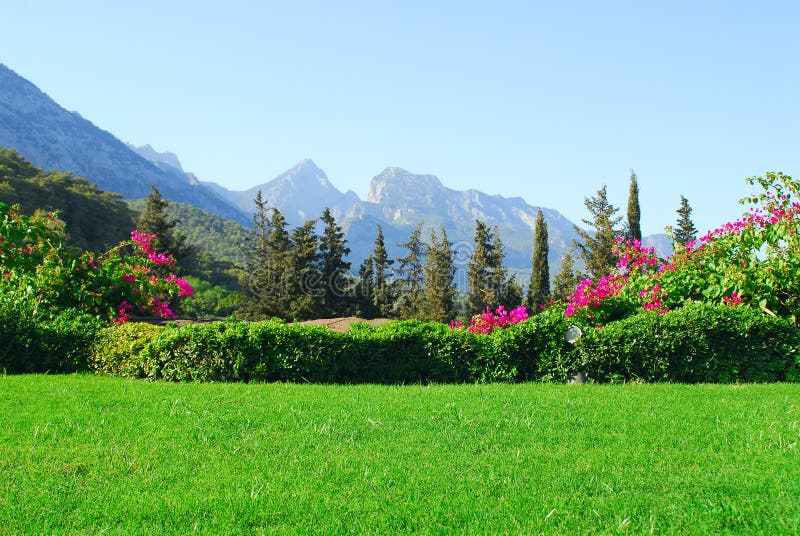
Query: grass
x: 82, y: 454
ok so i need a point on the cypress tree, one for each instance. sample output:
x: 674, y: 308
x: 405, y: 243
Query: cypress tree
x: 685, y: 230
x: 333, y: 249
x: 438, y: 299
x: 410, y: 276
x: 384, y: 291
x: 539, y: 289
x: 634, y: 212
x: 596, y: 249
x: 566, y: 280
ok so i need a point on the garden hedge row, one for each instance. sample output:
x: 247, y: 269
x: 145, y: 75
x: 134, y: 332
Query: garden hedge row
x: 698, y: 343
x: 400, y: 352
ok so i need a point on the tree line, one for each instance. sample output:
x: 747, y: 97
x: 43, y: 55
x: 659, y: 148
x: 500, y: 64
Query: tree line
x: 297, y: 274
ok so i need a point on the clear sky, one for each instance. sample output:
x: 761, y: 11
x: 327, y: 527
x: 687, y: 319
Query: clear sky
x: 543, y: 100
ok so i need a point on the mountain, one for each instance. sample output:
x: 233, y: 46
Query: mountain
x: 166, y: 159
x: 402, y: 199
x: 53, y: 138
x: 50, y: 137
x: 300, y: 193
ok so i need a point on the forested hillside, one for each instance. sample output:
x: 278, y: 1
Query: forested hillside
x: 95, y: 219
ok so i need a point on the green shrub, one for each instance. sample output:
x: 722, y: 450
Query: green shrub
x: 118, y: 347
x: 535, y: 348
x: 697, y: 343
x: 44, y: 340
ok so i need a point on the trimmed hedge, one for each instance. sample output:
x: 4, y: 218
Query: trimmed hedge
x: 696, y: 343
x: 399, y: 352
x: 33, y: 340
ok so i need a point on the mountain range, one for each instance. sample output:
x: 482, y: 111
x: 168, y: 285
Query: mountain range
x: 53, y: 138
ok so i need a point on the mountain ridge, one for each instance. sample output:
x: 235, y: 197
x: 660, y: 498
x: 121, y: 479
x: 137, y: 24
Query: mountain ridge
x: 53, y: 138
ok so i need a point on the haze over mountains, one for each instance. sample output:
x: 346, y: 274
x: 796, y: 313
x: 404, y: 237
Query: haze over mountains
x: 53, y: 138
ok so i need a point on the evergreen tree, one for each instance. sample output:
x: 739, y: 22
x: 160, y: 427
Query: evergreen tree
x: 539, y: 289
x: 256, y: 252
x: 410, y: 276
x: 567, y: 279
x: 438, y: 299
x: 384, y: 288
x: 335, y: 300
x: 154, y: 220
x: 596, y: 248
x: 365, y: 300
x: 685, y: 231
x: 489, y: 283
x: 479, y: 271
x: 634, y: 212
x: 305, y: 288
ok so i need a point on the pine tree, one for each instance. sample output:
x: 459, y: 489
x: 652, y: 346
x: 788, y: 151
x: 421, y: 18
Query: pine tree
x: 685, y: 230
x: 596, y: 248
x: 634, y: 212
x: 438, y: 299
x: 567, y: 279
x: 365, y: 298
x: 333, y: 268
x: 489, y: 282
x: 539, y: 289
x: 410, y: 276
x: 267, y: 263
x: 154, y: 220
x: 305, y: 288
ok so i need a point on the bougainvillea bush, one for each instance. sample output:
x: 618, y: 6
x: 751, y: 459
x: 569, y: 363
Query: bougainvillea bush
x: 754, y: 261
x: 39, y: 266
x: 489, y: 320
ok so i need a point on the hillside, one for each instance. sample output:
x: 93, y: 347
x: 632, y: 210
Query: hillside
x: 95, y: 219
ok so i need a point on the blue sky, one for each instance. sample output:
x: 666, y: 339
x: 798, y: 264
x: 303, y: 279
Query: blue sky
x: 547, y: 101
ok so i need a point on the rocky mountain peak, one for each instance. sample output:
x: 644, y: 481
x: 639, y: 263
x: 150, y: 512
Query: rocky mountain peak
x: 395, y: 184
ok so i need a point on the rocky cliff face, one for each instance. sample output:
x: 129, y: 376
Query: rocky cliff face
x: 53, y: 138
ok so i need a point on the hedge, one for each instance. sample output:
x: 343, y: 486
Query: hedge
x: 696, y: 343
x: 43, y: 340
x: 399, y: 352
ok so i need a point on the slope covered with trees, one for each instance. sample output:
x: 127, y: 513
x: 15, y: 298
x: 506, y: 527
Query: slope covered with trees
x: 95, y: 219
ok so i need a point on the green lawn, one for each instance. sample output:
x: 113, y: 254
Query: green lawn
x: 83, y: 454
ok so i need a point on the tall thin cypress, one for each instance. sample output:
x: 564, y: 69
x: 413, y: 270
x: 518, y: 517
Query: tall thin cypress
x: 539, y: 289
x: 634, y: 212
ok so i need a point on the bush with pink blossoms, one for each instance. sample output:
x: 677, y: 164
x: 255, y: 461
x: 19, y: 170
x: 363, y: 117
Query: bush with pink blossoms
x: 489, y: 321
x: 39, y: 266
x: 753, y: 261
